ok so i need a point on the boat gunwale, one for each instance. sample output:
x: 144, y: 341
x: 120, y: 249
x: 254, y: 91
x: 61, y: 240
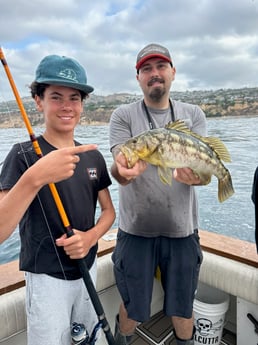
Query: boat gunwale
x: 235, y: 249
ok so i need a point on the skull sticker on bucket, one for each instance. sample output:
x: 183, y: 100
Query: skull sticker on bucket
x: 206, y: 328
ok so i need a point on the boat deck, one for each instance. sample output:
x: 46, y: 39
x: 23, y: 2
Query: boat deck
x: 158, y: 331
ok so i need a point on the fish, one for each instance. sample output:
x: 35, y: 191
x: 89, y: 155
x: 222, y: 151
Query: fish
x: 176, y: 146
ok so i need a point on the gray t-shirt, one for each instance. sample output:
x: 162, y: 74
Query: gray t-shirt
x: 147, y: 207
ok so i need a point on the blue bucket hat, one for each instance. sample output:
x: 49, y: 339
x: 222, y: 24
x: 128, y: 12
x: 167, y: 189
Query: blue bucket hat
x: 64, y: 71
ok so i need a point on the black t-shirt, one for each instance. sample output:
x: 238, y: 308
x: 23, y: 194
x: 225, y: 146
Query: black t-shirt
x: 41, y: 224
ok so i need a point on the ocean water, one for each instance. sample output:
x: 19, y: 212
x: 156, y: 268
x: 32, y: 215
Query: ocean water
x: 234, y: 217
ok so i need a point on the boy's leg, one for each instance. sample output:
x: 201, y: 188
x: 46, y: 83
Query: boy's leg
x: 48, y: 306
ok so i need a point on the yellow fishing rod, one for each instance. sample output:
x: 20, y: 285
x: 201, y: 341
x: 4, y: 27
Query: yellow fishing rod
x: 68, y: 228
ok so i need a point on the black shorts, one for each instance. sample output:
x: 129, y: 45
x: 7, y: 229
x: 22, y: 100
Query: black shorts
x: 136, y: 260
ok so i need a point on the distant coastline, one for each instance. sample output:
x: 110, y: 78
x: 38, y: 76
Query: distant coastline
x: 98, y: 109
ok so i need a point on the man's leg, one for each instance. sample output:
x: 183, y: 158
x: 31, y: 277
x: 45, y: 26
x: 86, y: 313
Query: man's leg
x: 180, y: 279
x: 183, y: 330
x: 134, y: 267
x: 124, y: 328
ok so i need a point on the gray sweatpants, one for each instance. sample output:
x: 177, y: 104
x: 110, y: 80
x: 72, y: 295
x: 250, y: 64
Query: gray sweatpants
x: 53, y: 304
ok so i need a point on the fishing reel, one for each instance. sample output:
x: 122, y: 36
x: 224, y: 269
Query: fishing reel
x: 80, y: 335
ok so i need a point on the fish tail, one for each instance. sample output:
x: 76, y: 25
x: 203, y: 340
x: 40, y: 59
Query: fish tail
x: 225, y: 187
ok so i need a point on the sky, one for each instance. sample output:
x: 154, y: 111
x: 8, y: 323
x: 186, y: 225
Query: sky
x: 213, y: 43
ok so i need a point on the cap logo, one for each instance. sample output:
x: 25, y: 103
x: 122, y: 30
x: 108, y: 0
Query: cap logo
x: 68, y: 74
x: 151, y: 50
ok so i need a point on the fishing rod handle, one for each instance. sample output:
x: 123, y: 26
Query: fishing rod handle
x: 96, y: 301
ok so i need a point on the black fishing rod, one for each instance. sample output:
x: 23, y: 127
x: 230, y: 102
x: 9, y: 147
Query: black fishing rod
x: 67, y: 226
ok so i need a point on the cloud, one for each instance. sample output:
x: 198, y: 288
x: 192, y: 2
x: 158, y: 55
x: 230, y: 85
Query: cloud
x: 213, y: 43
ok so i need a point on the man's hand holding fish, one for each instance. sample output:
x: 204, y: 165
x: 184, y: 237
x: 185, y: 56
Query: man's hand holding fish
x: 187, y: 176
x: 126, y: 175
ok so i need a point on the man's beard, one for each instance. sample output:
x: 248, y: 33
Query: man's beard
x: 156, y: 94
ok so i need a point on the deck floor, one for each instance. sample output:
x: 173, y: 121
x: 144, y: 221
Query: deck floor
x: 158, y: 331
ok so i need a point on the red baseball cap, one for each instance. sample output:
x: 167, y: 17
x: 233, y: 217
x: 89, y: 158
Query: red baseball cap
x: 150, y: 51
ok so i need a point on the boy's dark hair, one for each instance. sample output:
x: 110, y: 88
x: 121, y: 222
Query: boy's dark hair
x: 38, y: 89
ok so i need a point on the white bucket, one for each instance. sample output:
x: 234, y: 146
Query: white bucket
x: 210, y: 307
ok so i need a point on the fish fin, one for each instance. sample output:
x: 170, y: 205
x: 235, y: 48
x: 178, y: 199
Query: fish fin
x: 214, y: 143
x: 225, y: 188
x: 218, y: 146
x: 177, y: 125
x: 165, y: 175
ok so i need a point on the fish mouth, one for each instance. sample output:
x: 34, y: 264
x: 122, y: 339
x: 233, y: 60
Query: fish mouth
x: 130, y: 156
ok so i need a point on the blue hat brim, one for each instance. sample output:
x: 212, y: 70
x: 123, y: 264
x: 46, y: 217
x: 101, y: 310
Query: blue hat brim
x: 82, y: 87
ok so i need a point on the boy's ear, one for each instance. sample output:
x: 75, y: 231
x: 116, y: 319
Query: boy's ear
x: 38, y: 103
